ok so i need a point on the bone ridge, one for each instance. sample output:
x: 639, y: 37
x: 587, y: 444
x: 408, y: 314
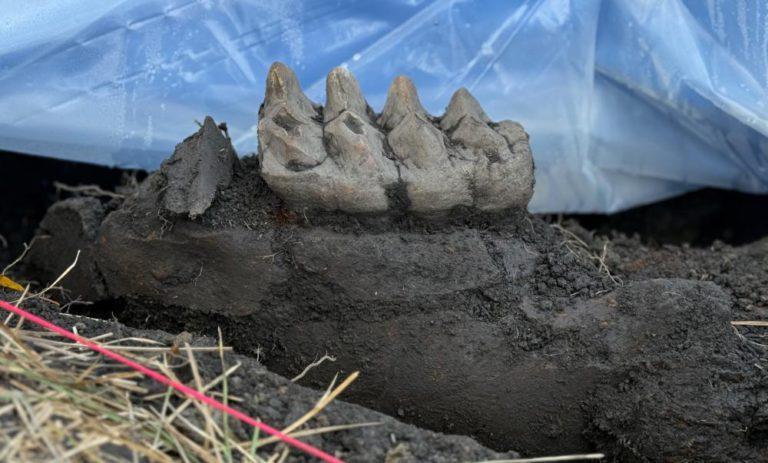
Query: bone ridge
x: 344, y: 157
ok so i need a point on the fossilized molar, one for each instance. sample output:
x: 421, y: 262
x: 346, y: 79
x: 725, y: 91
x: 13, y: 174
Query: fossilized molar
x: 345, y: 157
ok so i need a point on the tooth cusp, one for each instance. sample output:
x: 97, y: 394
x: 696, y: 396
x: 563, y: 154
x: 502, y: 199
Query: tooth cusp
x: 402, y: 100
x: 343, y: 94
x: 462, y: 105
x: 283, y: 87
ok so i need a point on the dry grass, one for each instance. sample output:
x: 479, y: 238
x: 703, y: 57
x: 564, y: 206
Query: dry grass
x: 87, y: 190
x: 579, y: 248
x: 61, y: 401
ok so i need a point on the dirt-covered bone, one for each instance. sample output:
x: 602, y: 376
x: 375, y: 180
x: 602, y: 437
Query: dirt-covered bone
x: 492, y: 325
x: 345, y: 158
x: 485, y: 325
x: 200, y: 166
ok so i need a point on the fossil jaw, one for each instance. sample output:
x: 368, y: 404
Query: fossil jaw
x: 345, y: 158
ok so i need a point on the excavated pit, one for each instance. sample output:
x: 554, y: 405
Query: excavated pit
x: 399, y: 243
x: 493, y: 326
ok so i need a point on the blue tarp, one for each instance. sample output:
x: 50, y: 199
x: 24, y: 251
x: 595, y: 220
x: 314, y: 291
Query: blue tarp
x: 626, y: 101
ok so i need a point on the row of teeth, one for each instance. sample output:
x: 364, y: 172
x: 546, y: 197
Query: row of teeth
x: 345, y: 157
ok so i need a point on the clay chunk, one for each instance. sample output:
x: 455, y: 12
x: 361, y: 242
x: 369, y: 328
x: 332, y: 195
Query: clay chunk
x: 200, y: 166
x: 344, y: 157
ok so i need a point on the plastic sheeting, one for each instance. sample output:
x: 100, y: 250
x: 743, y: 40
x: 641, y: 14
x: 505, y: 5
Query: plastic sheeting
x: 626, y: 101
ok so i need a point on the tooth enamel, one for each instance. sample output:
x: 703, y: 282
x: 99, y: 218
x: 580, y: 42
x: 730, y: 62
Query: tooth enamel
x: 431, y: 194
x: 510, y: 180
x: 343, y: 94
x: 357, y: 147
x: 420, y: 146
x: 347, y: 164
x: 287, y: 125
x: 402, y: 100
x: 504, y: 184
x: 418, y: 143
x: 503, y: 165
x: 481, y: 140
x: 283, y: 87
x: 462, y: 104
x: 296, y: 142
x: 512, y: 132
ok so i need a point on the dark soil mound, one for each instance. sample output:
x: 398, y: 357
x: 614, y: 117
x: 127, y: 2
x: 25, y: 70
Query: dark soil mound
x: 279, y: 402
x: 503, y: 327
x: 526, y: 334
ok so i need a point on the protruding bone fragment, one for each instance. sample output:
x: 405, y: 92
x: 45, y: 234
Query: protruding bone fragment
x: 200, y: 166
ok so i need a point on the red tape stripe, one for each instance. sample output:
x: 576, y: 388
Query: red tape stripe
x: 159, y: 377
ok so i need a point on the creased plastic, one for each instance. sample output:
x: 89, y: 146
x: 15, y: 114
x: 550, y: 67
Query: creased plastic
x: 626, y: 101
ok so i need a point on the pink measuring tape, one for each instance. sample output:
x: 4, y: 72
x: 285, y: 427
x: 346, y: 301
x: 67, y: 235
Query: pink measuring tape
x: 186, y: 390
